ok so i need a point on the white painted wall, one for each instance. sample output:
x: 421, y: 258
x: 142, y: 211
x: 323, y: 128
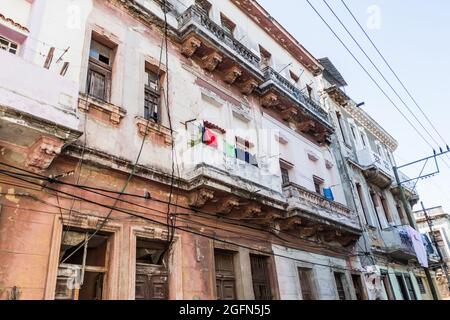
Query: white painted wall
x: 323, y: 268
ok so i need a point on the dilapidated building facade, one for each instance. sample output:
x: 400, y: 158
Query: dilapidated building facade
x: 176, y: 150
x: 365, y: 152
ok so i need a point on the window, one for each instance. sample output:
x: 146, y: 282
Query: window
x: 306, y: 285
x: 318, y: 184
x: 421, y: 285
x: 357, y: 284
x: 403, y: 290
x: 400, y: 212
x: 151, y: 270
x: 386, y: 209
x: 99, y: 71
x: 341, y: 127
x: 243, y: 151
x: 204, y: 5
x: 375, y: 198
x: 353, y: 133
x: 82, y: 271
x: 362, y: 202
x: 152, y: 95
x: 339, y: 280
x: 225, y: 277
x: 363, y: 140
x: 266, y: 57
x: 227, y: 24
x: 260, y: 277
x: 387, y: 285
x: 285, y: 176
x: 409, y: 285
x: 9, y: 46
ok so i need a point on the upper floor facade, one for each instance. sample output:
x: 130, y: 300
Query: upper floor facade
x: 237, y: 98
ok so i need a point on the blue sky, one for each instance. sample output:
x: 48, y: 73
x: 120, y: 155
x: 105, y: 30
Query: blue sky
x: 414, y: 36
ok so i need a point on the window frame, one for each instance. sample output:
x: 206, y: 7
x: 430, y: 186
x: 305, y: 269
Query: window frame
x: 99, y: 67
x: 9, y: 43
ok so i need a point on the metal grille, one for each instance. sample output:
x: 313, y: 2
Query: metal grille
x: 260, y: 276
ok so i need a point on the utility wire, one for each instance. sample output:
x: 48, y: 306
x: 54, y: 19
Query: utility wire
x: 370, y: 76
x: 209, y: 215
x: 187, y: 230
x: 395, y: 74
x: 130, y: 177
x: 381, y: 73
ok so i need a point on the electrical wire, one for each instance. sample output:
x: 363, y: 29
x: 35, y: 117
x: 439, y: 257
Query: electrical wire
x: 380, y: 72
x: 209, y: 215
x: 395, y: 74
x: 130, y: 177
x: 370, y: 76
x: 188, y: 230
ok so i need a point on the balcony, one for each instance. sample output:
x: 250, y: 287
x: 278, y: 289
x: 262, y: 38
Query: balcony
x: 409, y: 187
x: 204, y: 160
x: 294, y: 106
x: 229, y: 186
x: 376, y: 170
x: 397, y: 243
x: 217, y: 49
x: 38, y: 110
x: 320, y: 217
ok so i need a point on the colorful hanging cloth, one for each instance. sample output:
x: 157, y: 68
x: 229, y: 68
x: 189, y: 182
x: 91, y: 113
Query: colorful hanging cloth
x: 209, y: 138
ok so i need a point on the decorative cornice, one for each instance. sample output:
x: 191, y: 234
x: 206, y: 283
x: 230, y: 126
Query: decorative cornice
x: 364, y: 119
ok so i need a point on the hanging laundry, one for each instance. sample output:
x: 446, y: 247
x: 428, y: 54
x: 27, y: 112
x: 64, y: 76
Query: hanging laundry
x: 240, y: 154
x: 230, y: 150
x: 252, y: 160
x: 209, y: 138
x: 196, y: 135
x: 419, y: 247
x: 328, y: 194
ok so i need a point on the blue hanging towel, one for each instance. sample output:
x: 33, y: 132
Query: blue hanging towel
x: 328, y: 194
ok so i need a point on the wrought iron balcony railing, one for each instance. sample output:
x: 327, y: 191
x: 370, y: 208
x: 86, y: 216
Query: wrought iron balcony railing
x: 195, y: 16
x: 296, y: 94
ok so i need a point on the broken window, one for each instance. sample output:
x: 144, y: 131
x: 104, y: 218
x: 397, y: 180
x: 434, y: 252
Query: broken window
x: 260, y: 277
x: 306, y: 286
x: 8, y: 45
x: 225, y: 277
x: 339, y: 280
x: 99, y: 71
x: 83, y: 266
x: 151, y: 270
x: 152, y: 94
x: 357, y: 284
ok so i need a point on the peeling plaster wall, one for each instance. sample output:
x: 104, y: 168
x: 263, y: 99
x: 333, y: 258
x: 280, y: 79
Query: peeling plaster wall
x: 296, y: 152
x: 323, y: 268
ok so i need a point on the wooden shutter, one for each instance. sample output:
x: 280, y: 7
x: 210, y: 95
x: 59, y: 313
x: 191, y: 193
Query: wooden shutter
x: 151, y: 282
x: 97, y: 85
x: 260, y: 277
x: 225, y: 277
x: 305, y: 283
